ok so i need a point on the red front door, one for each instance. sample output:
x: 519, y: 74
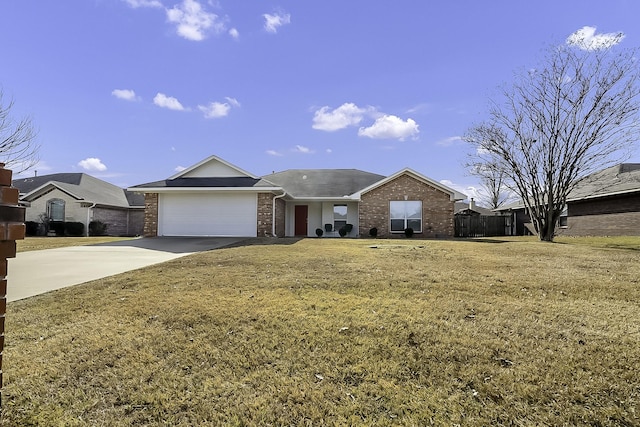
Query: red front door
x: 301, y: 220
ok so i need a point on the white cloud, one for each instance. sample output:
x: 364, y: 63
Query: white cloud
x: 126, y: 94
x: 164, y: 101
x: 274, y: 153
x: 449, y: 141
x: 92, y: 164
x: 234, y: 33
x: 179, y: 168
x: 303, y: 149
x: 587, y: 39
x: 348, y: 114
x: 329, y: 151
x: 273, y: 22
x: 192, y: 21
x: 216, y: 110
x: 234, y: 102
x: 144, y: 3
x: 390, y: 127
x: 468, y: 191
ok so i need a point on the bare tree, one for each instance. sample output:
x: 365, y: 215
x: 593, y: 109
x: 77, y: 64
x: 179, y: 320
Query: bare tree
x: 494, y: 192
x: 555, y: 125
x: 18, y: 146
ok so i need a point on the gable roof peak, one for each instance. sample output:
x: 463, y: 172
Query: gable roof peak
x: 211, y: 161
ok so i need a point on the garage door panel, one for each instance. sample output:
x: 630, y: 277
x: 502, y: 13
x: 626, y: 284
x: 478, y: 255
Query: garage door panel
x: 195, y: 214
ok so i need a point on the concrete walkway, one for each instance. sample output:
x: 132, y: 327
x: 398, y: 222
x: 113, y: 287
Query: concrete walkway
x: 37, y: 272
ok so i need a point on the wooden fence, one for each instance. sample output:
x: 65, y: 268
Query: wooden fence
x: 482, y: 225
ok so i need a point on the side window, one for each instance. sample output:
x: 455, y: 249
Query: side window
x: 55, y: 210
x: 405, y: 214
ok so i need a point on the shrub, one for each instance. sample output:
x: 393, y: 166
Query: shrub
x: 57, y: 227
x: 342, y: 231
x: 319, y: 232
x: 97, y: 228
x: 373, y: 232
x: 31, y: 228
x: 408, y: 231
x: 74, y: 229
x: 348, y: 227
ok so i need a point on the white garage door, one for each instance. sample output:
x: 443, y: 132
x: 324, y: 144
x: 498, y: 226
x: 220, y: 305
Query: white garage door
x: 205, y: 214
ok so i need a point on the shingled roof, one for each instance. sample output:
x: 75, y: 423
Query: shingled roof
x: 619, y: 179
x: 311, y: 183
x: 82, y: 187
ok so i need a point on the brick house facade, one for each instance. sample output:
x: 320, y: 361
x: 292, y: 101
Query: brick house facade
x: 437, y: 208
x: 215, y: 198
x: 607, y: 216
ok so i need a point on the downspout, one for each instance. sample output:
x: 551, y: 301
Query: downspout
x: 273, y: 213
x: 89, y: 216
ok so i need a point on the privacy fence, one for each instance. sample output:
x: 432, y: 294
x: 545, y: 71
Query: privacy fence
x: 482, y: 225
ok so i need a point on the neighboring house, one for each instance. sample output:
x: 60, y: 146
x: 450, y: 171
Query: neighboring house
x: 78, y: 197
x: 216, y: 198
x: 606, y: 203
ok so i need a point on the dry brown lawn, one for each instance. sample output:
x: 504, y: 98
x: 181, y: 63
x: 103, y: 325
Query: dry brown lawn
x: 339, y: 332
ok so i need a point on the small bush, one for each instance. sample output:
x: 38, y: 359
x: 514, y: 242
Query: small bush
x: 31, y: 228
x: 97, y: 228
x: 57, y: 227
x: 342, y: 231
x: 319, y: 232
x: 74, y: 229
x: 373, y: 232
x: 408, y: 232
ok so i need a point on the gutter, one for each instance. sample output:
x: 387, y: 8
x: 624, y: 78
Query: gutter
x: 89, y: 216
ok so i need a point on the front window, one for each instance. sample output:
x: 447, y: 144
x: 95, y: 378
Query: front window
x: 339, y: 216
x: 55, y: 210
x: 406, y: 214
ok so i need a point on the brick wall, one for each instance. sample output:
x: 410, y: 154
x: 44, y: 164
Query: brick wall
x: 281, y: 207
x: 613, y: 216
x: 437, y: 208
x: 120, y: 222
x: 265, y: 216
x: 150, y: 215
x: 11, y: 228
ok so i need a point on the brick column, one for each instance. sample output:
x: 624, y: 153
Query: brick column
x: 12, y: 228
x: 150, y: 215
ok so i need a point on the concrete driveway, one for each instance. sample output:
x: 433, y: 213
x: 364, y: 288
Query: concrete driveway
x: 36, y: 272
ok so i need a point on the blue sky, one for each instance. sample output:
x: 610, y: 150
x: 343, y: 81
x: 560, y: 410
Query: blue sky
x: 131, y: 91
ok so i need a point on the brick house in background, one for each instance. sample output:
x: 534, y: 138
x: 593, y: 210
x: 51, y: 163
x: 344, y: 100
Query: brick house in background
x: 78, y: 197
x: 216, y: 198
x: 606, y: 203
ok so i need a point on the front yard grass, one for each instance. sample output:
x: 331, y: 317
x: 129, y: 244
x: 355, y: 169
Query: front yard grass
x: 339, y: 332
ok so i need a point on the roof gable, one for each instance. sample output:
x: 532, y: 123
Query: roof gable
x: 453, y: 194
x: 213, y: 167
